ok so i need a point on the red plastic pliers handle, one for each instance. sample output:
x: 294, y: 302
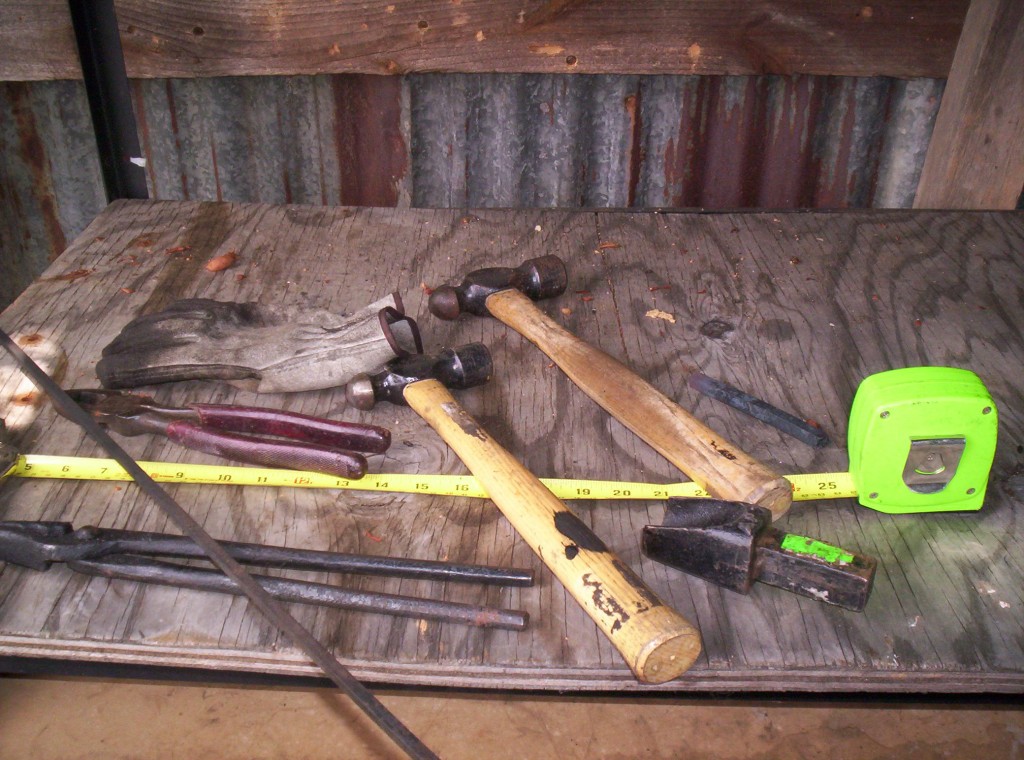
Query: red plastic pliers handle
x: 300, y: 442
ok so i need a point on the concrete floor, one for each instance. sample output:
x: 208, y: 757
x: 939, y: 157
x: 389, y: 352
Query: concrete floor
x: 93, y: 718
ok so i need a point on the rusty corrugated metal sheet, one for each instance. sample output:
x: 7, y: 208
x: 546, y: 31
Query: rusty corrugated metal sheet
x: 496, y: 140
x: 678, y: 141
x: 335, y: 140
x: 467, y: 140
x: 50, y: 185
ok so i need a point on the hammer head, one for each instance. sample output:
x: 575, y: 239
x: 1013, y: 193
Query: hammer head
x: 539, y: 278
x: 732, y: 544
x: 457, y: 368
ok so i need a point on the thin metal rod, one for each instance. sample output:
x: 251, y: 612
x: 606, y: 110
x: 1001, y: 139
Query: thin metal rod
x: 303, y: 592
x: 109, y: 541
x: 270, y: 607
x: 110, y: 101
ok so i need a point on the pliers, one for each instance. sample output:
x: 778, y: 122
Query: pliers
x: 315, y: 444
x: 131, y: 555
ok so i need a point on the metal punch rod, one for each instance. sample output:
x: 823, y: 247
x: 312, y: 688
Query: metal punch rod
x: 112, y: 541
x: 303, y: 592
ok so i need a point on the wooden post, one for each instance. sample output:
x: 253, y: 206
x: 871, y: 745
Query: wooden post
x: 976, y: 156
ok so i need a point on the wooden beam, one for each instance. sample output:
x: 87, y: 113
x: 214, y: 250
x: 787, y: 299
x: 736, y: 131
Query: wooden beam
x: 37, y: 41
x: 196, y: 38
x: 976, y: 156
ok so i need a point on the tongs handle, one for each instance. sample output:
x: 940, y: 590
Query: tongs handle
x: 143, y: 543
x: 268, y: 452
x: 352, y: 436
x: 305, y: 592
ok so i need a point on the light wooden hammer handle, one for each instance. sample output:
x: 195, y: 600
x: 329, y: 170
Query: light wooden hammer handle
x: 721, y: 468
x: 657, y: 643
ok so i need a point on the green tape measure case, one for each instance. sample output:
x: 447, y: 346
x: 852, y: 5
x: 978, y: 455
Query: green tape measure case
x: 922, y: 439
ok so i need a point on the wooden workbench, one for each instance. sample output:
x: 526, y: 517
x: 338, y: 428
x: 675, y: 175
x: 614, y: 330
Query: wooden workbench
x: 796, y: 308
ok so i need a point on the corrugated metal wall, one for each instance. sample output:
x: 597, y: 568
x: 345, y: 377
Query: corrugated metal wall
x: 712, y: 142
x: 468, y: 140
x: 50, y: 183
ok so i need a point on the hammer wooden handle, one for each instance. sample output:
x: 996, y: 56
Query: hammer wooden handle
x: 717, y: 465
x: 657, y: 643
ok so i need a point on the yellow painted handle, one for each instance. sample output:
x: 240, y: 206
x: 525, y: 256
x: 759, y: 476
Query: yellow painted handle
x: 657, y: 643
x: 719, y: 466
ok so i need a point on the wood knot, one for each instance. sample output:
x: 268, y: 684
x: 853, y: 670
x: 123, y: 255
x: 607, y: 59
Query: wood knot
x: 716, y: 328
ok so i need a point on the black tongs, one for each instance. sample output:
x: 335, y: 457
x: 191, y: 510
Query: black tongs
x: 234, y: 432
x: 135, y: 555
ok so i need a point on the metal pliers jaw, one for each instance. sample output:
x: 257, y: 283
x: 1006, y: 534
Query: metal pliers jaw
x: 127, y: 413
x: 39, y: 544
x: 267, y: 437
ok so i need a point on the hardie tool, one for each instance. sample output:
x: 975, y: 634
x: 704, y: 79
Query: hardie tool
x: 732, y: 544
x: 313, y: 443
x: 271, y: 608
x: 655, y: 640
x: 719, y: 466
x: 131, y: 555
x: 783, y: 421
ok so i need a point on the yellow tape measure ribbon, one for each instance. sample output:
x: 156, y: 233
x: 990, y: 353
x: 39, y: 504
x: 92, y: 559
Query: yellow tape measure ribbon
x: 829, y: 485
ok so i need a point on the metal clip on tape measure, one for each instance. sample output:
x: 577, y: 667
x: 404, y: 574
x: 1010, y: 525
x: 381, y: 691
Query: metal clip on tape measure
x: 922, y: 439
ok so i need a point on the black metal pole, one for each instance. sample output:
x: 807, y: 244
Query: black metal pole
x: 110, y: 101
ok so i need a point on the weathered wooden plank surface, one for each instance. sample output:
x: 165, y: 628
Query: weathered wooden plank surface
x: 796, y: 308
x: 903, y: 38
x: 976, y: 156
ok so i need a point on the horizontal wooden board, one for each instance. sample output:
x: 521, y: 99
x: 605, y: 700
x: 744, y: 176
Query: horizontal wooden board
x: 795, y: 308
x: 37, y: 41
x: 902, y: 38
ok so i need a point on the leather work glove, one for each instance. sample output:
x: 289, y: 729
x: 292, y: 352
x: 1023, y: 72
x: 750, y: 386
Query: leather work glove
x: 269, y: 349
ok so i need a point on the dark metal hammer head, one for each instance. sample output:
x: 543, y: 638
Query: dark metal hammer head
x: 732, y: 544
x: 710, y: 538
x: 539, y: 278
x: 458, y: 368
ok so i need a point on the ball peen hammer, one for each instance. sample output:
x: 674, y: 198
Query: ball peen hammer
x: 508, y: 294
x: 656, y: 642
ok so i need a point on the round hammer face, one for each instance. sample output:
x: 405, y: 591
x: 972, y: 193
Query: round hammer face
x: 464, y: 367
x: 542, y: 277
x: 444, y: 303
x: 360, y: 392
